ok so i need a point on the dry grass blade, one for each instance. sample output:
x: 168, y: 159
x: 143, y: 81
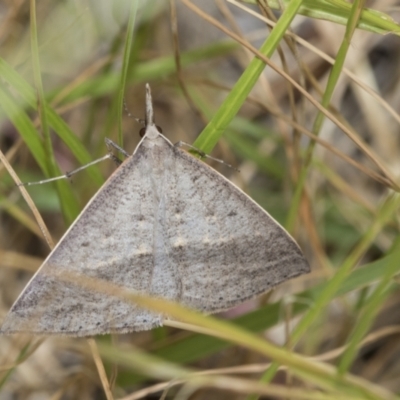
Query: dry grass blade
x: 100, y: 368
x: 350, y: 133
x: 28, y: 199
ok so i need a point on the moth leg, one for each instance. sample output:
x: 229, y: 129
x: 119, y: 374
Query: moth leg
x: 110, y: 145
x: 204, y: 155
x: 109, y: 156
x: 69, y: 174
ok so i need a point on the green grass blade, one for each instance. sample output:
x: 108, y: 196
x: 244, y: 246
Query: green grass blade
x: 368, y: 314
x: 25, y: 127
x: 125, y: 66
x: 237, y: 96
x: 27, y: 93
x: 67, y: 200
x: 327, y: 95
x: 146, y: 71
x: 338, y: 11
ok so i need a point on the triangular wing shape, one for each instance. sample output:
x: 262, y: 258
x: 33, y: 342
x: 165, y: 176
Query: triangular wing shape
x: 164, y: 224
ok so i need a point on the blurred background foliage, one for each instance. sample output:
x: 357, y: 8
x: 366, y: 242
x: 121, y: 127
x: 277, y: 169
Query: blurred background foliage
x: 329, y: 175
